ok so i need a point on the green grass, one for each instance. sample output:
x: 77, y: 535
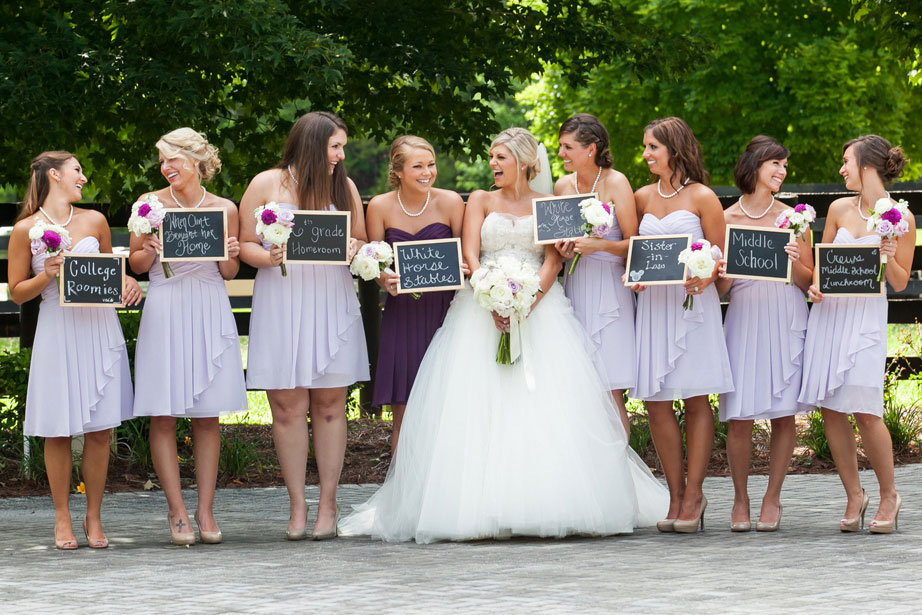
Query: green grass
x: 9, y: 344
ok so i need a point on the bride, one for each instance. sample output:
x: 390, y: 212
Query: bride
x: 486, y: 451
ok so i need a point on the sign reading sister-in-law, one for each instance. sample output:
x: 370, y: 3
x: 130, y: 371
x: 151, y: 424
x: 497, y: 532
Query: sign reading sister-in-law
x: 425, y: 266
x: 558, y: 217
x: 848, y: 270
x: 194, y: 234
x: 654, y: 259
x: 757, y: 253
x: 92, y: 280
x: 319, y: 238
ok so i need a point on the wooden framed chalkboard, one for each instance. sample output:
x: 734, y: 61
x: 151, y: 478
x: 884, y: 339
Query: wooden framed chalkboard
x: 757, y: 253
x: 194, y: 234
x: 557, y: 217
x: 848, y: 270
x: 425, y: 266
x: 92, y: 280
x: 654, y: 259
x: 319, y: 238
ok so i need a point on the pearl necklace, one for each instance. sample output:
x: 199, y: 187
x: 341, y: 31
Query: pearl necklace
x: 292, y: 175
x: 420, y: 212
x: 861, y: 215
x: 50, y: 219
x: 669, y: 196
x: 761, y: 215
x: 180, y: 205
x: 594, y: 184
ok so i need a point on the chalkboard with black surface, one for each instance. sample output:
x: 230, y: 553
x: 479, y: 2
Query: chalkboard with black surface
x: 654, y: 259
x: 319, y: 238
x: 431, y: 265
x: 757, y: 253
x: 558, y: 217
x: 92, y: 280
x: 194, y: 234
x: 848, y: 270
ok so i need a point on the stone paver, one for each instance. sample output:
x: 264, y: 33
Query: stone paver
x: 807, y: 567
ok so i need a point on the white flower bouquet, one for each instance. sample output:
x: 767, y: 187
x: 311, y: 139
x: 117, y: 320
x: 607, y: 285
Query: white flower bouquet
x: 50, y: 238
x: 273, y: 225
x: 798, y: 219
x: 700, y: 258
x: 146, y: 217
x: 888, y: 220
x: 599, y: 217
x: 507, y: 287
x: 371, y: 259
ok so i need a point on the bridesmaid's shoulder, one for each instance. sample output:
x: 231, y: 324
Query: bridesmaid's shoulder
x: 380, y: 201
x: 90, y: 215
x: 266, y: 179
x: 700, y: 191
x: 645, y: 191
x: 224, y: 203
x: 564, y: 185
x: 449, y: 198
x: 616, y: 180
x: 840, y: 206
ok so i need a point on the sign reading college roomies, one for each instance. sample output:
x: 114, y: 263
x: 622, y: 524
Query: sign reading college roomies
x: 848, y: 270
x: 654, y: 259
x: 319, y: 238
x: 757, y: 253
x: 430, y: 265
x: 194, y: 234
x: 558, y: 217
x: 92, y: 280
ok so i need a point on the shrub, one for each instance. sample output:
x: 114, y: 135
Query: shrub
x: 238, y: 455
x: 814, y: 436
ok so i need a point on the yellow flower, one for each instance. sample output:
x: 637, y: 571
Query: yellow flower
x: 188, y: 441
x: 81, y: 488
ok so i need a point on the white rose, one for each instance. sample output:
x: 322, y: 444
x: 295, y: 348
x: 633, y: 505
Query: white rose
x: 37, y: 230
x: 597, y: 216
x: 797, y: 219
x: 871, y: 223
x: 276, y: 234
x: 139, y: 226
x: 365, y: 268
x: 501, y: 293
x: 701, y: 264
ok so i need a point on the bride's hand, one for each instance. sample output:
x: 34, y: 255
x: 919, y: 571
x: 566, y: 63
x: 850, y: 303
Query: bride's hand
x: 502, y: 324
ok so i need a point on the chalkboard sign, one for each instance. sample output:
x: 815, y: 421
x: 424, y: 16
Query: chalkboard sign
x: 319, y: 238
x: 654, y: 259
x: 757, y: 253
x: 92, y: 280
x: 848, y: 270
x: 425, y: 266
x: 194, y: 234
x: 558, y: 217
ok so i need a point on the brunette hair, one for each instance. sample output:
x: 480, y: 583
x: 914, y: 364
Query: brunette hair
x: 400, y: 151
x: 587, y: 129
x: 684, y: 150
x: 39, y: 184
x: 758, y: 150
x: 193, y: 145
x: 875, y: 152
x: 305, y: 156
x: 524, y: 149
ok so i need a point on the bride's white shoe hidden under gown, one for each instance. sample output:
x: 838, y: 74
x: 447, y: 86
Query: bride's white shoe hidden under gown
x: 481, y: 455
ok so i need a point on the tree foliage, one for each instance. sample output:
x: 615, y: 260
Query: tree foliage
x: 105, y: 78
x: 800, y: 70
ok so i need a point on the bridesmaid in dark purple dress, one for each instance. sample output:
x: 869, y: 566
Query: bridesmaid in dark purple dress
x: 413, y: 211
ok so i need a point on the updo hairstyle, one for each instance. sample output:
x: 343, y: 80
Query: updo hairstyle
x: 524, y: 149
x: 400, y: 151
x: 187, y: 143
x: 875, y: 152
x: 587, y: 129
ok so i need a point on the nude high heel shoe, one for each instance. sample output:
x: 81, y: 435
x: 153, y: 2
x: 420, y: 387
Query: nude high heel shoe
x: 330, y: 533
x: 208, y: 538
x: 740, y: 526
x: 666, y: 525
x: 99, y: 543
x: 770, y: 527
x: 301, y: 534
x: 887, y: 527
x: 691, y: 526
x: 182, y: 539
x: 856, y: 523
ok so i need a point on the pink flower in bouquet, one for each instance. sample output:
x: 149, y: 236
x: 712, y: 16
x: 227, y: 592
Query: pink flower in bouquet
x: 268, y: 216
x: 884, y: 227
x: 51, y: 239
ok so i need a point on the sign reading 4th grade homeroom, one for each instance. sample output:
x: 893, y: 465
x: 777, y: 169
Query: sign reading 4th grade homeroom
x: 319, y: 238
x: 757, y: 253
x: 194, y: 234
x: 848, y: 270
x: 654, y: 259
x: 558, y: 217
x: 425, y: 266
x: 92, y: 280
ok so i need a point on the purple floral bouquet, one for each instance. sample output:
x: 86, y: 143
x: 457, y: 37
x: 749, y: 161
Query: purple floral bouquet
x: 888, y: 220
x: 599, y: 217
x: 146, y: 217
x: 48, y: 238
x: 273, y: 225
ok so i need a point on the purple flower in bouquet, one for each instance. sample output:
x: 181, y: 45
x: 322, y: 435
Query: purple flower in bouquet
x: 52, y: 240
x: 696, y: 246
x: 601, y: 230
x: 144, y: 209
x: 885, y: 227
x: 514, y: 286
x: 893, y: 216
x: 268, y: 217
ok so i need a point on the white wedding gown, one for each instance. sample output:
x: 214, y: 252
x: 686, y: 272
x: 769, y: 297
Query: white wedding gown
x: 482, y: 455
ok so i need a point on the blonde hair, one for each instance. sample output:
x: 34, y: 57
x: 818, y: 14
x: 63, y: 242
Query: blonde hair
x: 193, y: 145
x: 39, y: 184
x: 400, y: 151
x: 524, y: 148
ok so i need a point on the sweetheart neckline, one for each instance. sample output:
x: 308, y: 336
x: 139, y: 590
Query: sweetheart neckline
x: 670, y: 213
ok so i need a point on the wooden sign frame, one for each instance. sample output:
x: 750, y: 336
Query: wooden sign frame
x: 744, y: 227
x: 187, y: 210
x: 627, y: 263
x: 816, y: 270
x: 567, y: 197
x: 427, y: 289
x: 321, y: 212
x: 61, y: 276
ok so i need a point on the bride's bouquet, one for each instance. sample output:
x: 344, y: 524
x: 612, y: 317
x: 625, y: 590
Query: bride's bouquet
x: 48, y: 238
x: 888, y: 221
x: 273, y: 225
x: 146, y: 217
x: 798, y: 219
x: 507, y: 287
x: 599, y: 217
x: 701, y: 258
x: 371, y: 259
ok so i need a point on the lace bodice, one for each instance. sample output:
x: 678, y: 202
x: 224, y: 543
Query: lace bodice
x: 508, y: 235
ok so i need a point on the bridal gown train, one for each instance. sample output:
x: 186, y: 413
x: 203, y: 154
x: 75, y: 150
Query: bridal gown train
x: 483, y: 455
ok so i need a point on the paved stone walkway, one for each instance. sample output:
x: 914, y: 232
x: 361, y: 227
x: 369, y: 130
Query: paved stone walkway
x: 807, y: 567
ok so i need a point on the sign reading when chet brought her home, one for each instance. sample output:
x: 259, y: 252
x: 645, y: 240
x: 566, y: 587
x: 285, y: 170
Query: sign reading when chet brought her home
x: 848, y: 270
x: 757, y: 253
x: 194, y: 234
x: 319, y: 238
x: 430, y: 265
x: 92, y: 280
x: 654, y: 259
x: 558, y: 217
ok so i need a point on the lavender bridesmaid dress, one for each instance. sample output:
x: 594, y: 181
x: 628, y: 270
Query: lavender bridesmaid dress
x: 680, y: 353
x: 846, y: 350
x: 765, y: 328
x: 305, y: 328
x: 605, y: 307
x: 187, y: 360
x: 79, y: 380
x: 407, y: 327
